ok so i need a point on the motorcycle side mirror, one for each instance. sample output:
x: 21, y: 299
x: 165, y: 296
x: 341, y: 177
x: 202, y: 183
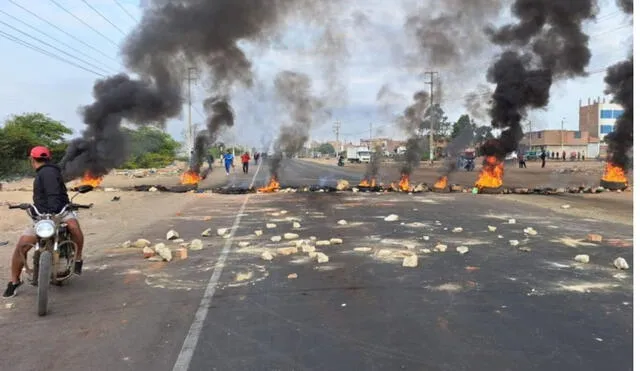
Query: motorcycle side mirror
x: 83, y: 188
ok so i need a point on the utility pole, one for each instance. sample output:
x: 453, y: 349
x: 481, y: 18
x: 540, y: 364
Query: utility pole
x: 190, y: 77
x: 530, y: 134
x: 562, y: 134
x: 336, y: 130
x: 431, y: 82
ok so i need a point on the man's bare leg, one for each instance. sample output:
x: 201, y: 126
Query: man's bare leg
x: 78, y: 238
x: 25, y: 243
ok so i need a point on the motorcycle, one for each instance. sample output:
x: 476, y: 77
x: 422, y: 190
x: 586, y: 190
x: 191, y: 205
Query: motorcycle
x: 340, y: 162
x: 54, y: 251
x: 469, y: 164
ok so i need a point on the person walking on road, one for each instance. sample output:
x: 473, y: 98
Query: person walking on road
x: 256, y: 157
x: 543, y: 157
x: 210, y: 161
x: 228, y: 161
x: 245, y: 162
x: 521, y: 161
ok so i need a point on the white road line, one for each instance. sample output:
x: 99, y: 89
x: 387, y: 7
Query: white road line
x: 191, y: 341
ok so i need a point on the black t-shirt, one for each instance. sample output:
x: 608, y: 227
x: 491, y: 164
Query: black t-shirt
x: 49, y: 191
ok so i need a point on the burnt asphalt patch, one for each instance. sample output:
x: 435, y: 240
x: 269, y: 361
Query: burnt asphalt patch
x: 494, y: 308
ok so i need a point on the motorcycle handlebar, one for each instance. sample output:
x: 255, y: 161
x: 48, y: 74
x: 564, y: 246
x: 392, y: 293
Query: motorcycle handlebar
x: 20, y: 206
x: 79, y: 206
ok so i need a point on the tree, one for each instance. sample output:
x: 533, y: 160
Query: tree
x: 150, y: 147
x: 327, y: 149
x: 463, y: 125
x: 441, y: 124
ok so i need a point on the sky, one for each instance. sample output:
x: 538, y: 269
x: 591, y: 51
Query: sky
x: 378, y: 52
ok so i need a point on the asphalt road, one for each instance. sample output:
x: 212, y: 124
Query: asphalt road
x: 494, y: 308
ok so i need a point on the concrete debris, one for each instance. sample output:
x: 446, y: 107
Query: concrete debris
x: 530, y: 231
x: 258, y: 233
x: 178, y: 240
x: 384, y: 252
x: 313, y: 238
x: 342, y: 222
x: 126, y: 244
x: 514, y: 242
x: 307, y: 248
x: 462, y: 250
x: 9, y: 306
x: 206, y: 232
x: 243, y: 244
x: 290, y: 236
x: 391, y: 218
x: 313, y: 254
x: 287, y: 250
x: 196, y: 244
x: 410, y: 246
x: 500, y: 236
x: 222, y: 231
x: 457, y: 230
x: 492, y: 228
x: 153, y: 189
x: 591, y: 237
x: 227, y: 236
x: 297, y: 243
x: 163, y: 251
x: 322, y: 258
x: 266, y: 256
x: 355, y: 190
x: 582, y: 258
x: 512, y: 221
x: 148, y: 252
x: 362, y: 249
x: 283, y: 212
x: 336, y: 241
x: 425, y: 251
x: 410, y: 261
x: 565, y: 206
x: 292, y: 276
x: 524, y: 249
x: 181, y: 253
x: 620, y: 263
x: 276, y: 239
x: 271, y: 225
x: 342, y: 185
x: 172, y: 235
x: 421, y: 188
x: 426, y: 238
x: 275, y: 214
x: 323, y: 243
x: 296, y: 225
x: 440, y: 247
x: 140, y: 243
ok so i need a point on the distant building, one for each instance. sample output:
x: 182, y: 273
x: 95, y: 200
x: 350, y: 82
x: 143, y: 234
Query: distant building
x: 578, y: 142
x: 598, y: 118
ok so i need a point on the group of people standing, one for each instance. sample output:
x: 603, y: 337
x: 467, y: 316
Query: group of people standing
x: 228, y: 160
x: 546, y: 154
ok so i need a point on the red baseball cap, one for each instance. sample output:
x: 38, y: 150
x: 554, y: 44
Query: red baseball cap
x: 40, y: 152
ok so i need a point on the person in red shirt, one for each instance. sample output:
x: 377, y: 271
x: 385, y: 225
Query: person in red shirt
x: 245, y: 162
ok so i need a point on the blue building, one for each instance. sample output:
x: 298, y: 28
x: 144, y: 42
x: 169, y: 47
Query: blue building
x: 599, y: 118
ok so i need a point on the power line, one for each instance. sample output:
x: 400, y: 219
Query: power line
x: 125, y: 10
x: 45, y: 52
x: 105, y: 18
x: 83, y: 22
x: 51, y: 37
x: 54, y: 47
x: 63, y: 31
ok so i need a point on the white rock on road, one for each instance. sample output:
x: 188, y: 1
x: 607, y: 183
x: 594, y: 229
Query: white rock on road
x: 362, y: 249
x: 323, y: 243
x: 126, y: 244
x: 196, y: 244
x: 440, y: 247
x: 462, y: 250
x: 276, y: 239
x: 457, y: 230
x: 410, y: 261
x: 322, y: 258
x: 336, y: 241
x: 243, y: 244
x: 222, y: 231
x: 266, y: 256
x: 271, y: 225
x: 426, y: 238
x: 287, y: 250
x: 530, y: 231
x: 620, y: 263
x: 306, y: 248
x: 140, y: 243
x: 514, y: 242
x: 206, y: 232
x: 565, y: 206
x: 163, y: 251
x: 290, y: 236
x: 582, y: 258
x: 512, y: 221
x: 492, y: 228
x: 391, y: 218
x: 172, y: 235
x: 296, y: 225
x: 258, y: 233
x: 342, y: 222
x: 292, y: 276
x: 148, y: 252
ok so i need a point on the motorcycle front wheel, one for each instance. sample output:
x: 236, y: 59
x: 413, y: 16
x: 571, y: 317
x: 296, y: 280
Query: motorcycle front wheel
x: 44, y: 277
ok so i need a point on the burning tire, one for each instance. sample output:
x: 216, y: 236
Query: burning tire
x: 613, y: 186
x: 490, y: 190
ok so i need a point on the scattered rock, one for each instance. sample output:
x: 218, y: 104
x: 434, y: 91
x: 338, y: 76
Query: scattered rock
x: 362, y: 249
x: 276, y: 239
x: 591, y: 237
x: 582, y: 258
x: 384, y: 252
x: 530, y: 231
x: 126, y: 244
x: 181, y: 253
x: 456, y: 188
x: 342, y: 222
x: 456, y: 230
x: 336, y: 241
x: 512, y: 221
x: 178, y: 241
x: 524, y: 249
x: 283, y: 212
x: 410, y: 246
x: 425, y: 251
x: 271, y: 225
x: 307, y: 248
x: 620, y: 263
x: 266, y: 256
x: 206, y: 232
x: 148, y: 252
x: 514, y: 242
x: 292, y: 276
x: 322, y: 258
x: 153, y: 189
x: 287, y: 250
x: 290, y: 236
x: 163, y: 251
x: 410, y: 261
x: 9, y: 306
x: 140, y: 243
x: 155, y: 259
x: 440, y: 247
x: 296, y: 225
x: 462, y: 250
x: 227, y: 236
x: 258, y: 233
x: 172, y: 235
x: 500, y: 236
x: 243, y: 244
x: 391, y: 218
x: 492, y: 228
x: 222, y: 231
x: 196, y: 244
x: 426, y: 238
x: 342, y: 185
x: 323, y: 243
x: 421, y: 188
x: 565, y: 206
x: 313, y: 238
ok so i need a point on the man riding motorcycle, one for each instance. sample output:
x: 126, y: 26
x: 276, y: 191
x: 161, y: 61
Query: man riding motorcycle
x: 49, y: 196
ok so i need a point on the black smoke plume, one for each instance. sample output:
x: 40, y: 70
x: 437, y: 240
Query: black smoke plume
x: 413, y: 122
x: 619, y: 82
x: 293, y: 89
x: 373, y: 167
x: 554, y: 46
x: 220, y: 114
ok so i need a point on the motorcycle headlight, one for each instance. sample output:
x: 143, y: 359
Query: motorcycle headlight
x: 45, y: 228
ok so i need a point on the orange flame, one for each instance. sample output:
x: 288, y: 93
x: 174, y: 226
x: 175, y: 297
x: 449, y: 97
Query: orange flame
x: 90, y: 179
x: 403, y: 185
x: 614, y: 174
x: 190, y: 177
x: 441, y: 183
x: 491, y: 173
x: 273, y: 186
x: 368, y: 183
